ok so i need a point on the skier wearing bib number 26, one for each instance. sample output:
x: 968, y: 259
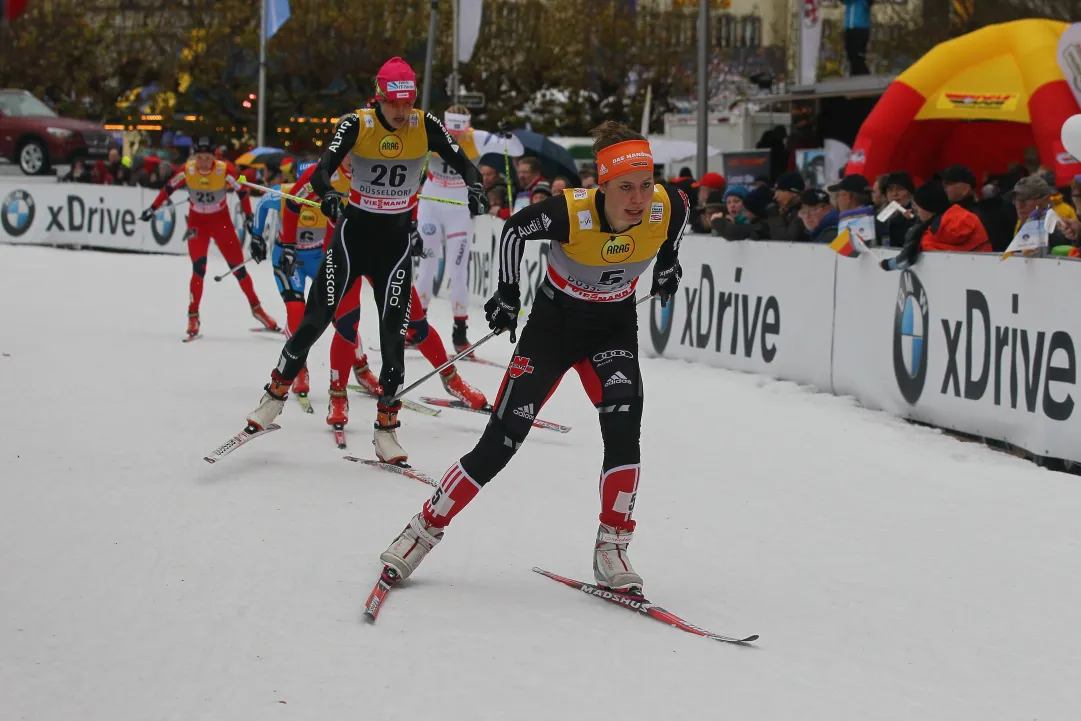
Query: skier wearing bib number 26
x: 583, y: 318
x: 387, y: 146
x: 450, y: 225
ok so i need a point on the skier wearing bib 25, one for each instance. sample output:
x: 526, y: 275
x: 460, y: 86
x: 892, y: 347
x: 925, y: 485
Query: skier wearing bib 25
x: 450, y: 225
x: 208, y: 181
x: 387, y: 146
x: 584, y: 318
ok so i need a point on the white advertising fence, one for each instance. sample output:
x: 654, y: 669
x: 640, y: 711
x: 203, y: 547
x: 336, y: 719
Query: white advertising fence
x: 961, y: 341
x: 91, y: 216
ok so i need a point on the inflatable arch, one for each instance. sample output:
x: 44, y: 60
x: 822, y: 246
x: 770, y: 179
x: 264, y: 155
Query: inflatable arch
x: 980, y: 100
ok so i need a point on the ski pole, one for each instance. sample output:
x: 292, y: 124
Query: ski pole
x: 440, y: 200
x: 506, y: 163
x: 449, y: 363
x: 469, y: 351
x: 282, y: 193
x: 226, y: 274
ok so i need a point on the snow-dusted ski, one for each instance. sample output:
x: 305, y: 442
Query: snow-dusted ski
x: 237, y: 441
x: 487, y: 410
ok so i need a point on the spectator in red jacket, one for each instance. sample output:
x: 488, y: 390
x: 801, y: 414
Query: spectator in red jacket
x: 941, y: 226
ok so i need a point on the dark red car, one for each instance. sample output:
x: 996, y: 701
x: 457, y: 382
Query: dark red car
x: 33, y: 136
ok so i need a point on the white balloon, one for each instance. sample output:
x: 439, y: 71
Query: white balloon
x: 1071, y: 136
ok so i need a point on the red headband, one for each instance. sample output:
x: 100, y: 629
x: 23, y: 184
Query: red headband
x: 623, y: 158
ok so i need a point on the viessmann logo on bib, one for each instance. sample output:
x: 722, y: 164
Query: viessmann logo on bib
x: 390, y: 146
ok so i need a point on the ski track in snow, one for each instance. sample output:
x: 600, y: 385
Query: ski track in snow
x: 893, y: 573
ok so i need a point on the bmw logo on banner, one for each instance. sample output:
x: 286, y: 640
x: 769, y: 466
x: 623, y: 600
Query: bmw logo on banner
x: 163, y: 223
x: 910, y: 337
x: 660, y: 323
x: 17, y: 213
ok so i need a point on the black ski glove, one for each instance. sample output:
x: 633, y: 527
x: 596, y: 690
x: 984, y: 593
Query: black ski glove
x: 501, y: 310
x: 148, y: 214
x: 258, y: 248
x: 666, y: 280
x: 478, y: 199
x: 249, y: 227
x: 287, y: 260
x: 416, y: 243
x: 331, y: 205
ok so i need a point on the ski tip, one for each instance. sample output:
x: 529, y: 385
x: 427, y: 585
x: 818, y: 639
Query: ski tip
x: 749, y: 639
x: 369, y: 618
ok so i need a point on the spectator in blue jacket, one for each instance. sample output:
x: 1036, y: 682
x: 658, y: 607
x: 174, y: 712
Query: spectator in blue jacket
x: 857, y: 35
x: 819, y: 216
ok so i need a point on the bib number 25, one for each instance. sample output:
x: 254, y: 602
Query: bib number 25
x: 394, y: 174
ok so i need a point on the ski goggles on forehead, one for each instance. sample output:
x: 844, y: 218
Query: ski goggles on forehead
x: 623, y: 158
x: 456, y: 122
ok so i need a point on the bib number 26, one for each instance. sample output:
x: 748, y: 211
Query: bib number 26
x: 394, y: 174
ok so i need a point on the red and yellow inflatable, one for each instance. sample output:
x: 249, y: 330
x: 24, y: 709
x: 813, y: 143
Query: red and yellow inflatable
x: 979, y: 100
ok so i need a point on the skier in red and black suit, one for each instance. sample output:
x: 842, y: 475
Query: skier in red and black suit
x: 208, y: 182
x: 602, y: 240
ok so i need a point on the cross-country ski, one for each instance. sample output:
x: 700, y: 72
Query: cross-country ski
x: 487, y: 409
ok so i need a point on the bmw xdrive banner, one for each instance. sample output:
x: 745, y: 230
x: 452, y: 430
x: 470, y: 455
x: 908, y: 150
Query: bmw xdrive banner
x: 90, y: 216
x: 966, y: 342
x: 761, y: 307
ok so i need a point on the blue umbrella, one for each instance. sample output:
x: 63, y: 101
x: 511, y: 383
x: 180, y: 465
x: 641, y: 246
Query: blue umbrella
x: 554, y: 158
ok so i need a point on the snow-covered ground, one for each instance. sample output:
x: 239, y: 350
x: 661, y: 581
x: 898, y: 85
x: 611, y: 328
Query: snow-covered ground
x: 892, y: 572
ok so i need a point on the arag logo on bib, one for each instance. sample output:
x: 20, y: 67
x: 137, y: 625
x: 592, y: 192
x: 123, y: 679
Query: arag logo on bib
x: 660, y: 323
x: 308, y: 218
x: 17, y: 213
x: 911, y: 330
x: 617, y: 249
x: 163, y: 223
x: 391, y: 146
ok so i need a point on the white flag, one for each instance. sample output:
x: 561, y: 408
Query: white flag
x: 1032, y: 236
x: 810, y: 41
x: 469, y: 17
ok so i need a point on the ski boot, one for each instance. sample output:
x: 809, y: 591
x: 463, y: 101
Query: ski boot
x: 458, y: 337
x: 411, y: 546
x: 301, y: 384
x: 193, y: 324
x: 338, y: 409
x: 365, y: 378
x: 455, y: 386
x: 385, y: 440
x: 270, y: 405
x: 260, y: 315
x: 611, y: 566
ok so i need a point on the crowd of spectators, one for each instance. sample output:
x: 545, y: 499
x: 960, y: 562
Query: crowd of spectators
x: 149, y: 172
x: 951, y: 211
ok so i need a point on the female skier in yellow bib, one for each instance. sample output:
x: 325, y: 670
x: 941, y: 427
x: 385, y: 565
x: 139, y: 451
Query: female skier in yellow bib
x: 602, y: 240
x: 387, y: 145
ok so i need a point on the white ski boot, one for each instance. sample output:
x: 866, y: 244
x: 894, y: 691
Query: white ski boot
x: 611, y: 566
x: 385, y: 440
x: 411, y: 546
x: 270, y: 405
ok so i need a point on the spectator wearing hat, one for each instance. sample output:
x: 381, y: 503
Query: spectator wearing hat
x: 997, y: 218
x: 818, y: 216
x: 1032, y: 197
x: 853, y: 192
x: 710, y: 182
x: 541, y: 191
x: 899, y: 189
x: 942, y: 226
x: 756, y: 206
x: 784, y: 221
x: 1064, y: 209
x: 733, y: 203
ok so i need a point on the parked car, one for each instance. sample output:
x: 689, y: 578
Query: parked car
x: 33, y: 136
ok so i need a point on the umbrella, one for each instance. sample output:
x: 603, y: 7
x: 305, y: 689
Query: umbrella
x: 261, y: 157
x: 554, y: 158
